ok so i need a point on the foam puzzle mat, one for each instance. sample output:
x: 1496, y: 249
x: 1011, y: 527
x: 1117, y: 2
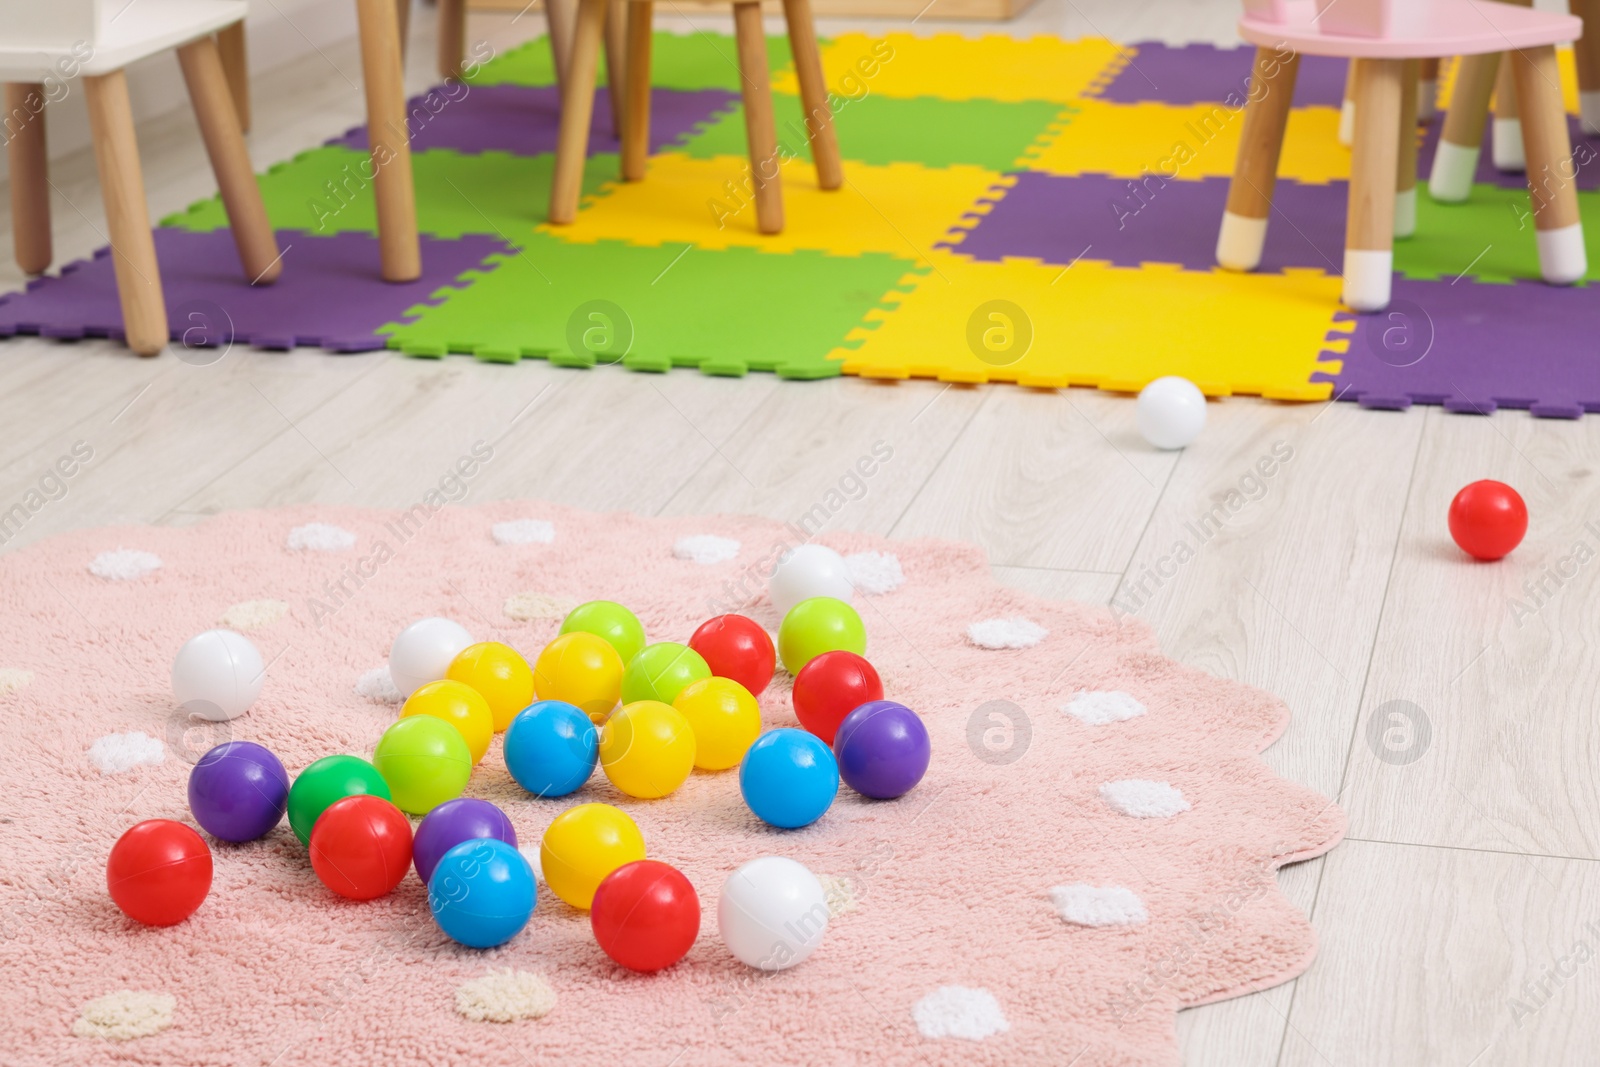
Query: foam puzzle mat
x: 1037, y: 211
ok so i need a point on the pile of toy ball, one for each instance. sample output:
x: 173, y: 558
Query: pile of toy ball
x: 647, y: 714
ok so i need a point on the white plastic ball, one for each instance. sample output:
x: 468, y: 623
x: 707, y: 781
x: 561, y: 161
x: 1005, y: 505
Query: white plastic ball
x: 807, y: 571
x: 1171, y: 412
x: 772, y: 913
x: 423, y: 651
x: 217, y: 675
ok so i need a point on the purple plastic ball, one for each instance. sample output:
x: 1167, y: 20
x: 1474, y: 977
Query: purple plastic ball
x: 453, y: 822
x: 882, y: 748
x: 238, y: 791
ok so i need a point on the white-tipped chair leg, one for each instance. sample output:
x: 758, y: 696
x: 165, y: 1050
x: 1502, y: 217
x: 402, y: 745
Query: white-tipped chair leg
x: 1240, y: 242
x: 1454, y: 166
x: 1589, y: 107
x: 1367, y: 277
x: 1507, y: 146
x: 1562, y: 258
x: 1347, y: 123
x: 1405, y: 213
x: 1427, y: 101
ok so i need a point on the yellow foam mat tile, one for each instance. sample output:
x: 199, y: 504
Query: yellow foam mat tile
x: 1564, y: 60
x: 1110, y: 327
x: 901, y: 209
x: 1186, y: 142
x: 960, y: 68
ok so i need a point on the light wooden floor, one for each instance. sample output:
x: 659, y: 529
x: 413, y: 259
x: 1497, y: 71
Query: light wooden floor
x: 1469, y: 880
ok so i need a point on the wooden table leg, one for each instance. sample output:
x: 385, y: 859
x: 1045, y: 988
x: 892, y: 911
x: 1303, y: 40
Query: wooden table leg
x: 760, y: 127
x: 1255, y: 171
x: 1586, y: 50
x: 1456, y: 159
x: 561, y: 16
x: 577, y: 111
x: 402, y: 20
x: 452, y: 37
x: 133, y: 248
x: 236, y: 65
x: 1374, y: 162
x: 1427, y: 90
x: 1405, y: 186
x: 636, y: 109
x: 616, y: 64
x: 814, y: 93
x: 1552, y: 176
x: 399, y: 247
x: 30, y: 176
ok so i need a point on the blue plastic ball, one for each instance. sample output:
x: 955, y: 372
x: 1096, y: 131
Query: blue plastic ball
x: 789, y: 778
x: 481, y: 893
x: 551, y: 748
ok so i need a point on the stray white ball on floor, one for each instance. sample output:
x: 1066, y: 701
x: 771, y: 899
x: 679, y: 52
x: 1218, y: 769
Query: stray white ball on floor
x: 1171, y: 412
x: 808, y: 571
x: 217, y: 675
x: 772, y: 913
x: 423, y: 651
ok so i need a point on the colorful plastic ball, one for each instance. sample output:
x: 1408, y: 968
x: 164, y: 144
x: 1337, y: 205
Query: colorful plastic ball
x: 551, y: 748
x: 807, y: 571
x: 361, y: 847
x: 772, y: 913
x: 581, y: 669
x: 661, y: 672
x: 830, y: 687
x: 882, y: 749
x: 423, y: 651
x: 217, y: 675
x: 1170, y: 412
x: 647, y: 749
x: 238, y: 791
x: 329, y: 779
x: 725, y: 719
x: 458, y: 704
x: 499, y: 674
x: 482, y: 893
x: 159, y: 872
x: 821, y: 624
x: 607, y: 619
x: 646, y: 915
x: 425, y: 761
x: 737, y: 647
x: 789, y: 778
x: 583, y: 845
x: 1488, y: 519
x: 455, y: 821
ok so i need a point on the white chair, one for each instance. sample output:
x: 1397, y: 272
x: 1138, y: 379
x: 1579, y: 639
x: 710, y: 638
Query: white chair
x: 53, y: 47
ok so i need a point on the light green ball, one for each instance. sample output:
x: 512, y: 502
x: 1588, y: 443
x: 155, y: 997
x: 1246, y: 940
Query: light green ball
x: 661, y: 672
x: 425, y: 761
x: 821, y: 624
x: 607, y: 619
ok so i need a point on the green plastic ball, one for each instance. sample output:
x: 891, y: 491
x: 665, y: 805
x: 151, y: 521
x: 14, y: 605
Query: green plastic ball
x: 821, y: 624
x: 329, y: 779
x: 425, y: 761
x: 608, y: 619
x: 661, y: 672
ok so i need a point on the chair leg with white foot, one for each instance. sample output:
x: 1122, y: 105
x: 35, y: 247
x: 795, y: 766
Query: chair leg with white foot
x: 1552, y: 185
x: 1455, y: 162
x: 1255, y: 172
x: 1405, y: 186
x: 1374, y: 162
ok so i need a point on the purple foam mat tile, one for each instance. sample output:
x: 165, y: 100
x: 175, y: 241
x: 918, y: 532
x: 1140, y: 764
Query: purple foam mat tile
x: 1585, y: 155
x: 1474, y: 348
x: 329, y: 294
x: 525, y: 120
x: 1058, y: 219
x: 1201, y: 73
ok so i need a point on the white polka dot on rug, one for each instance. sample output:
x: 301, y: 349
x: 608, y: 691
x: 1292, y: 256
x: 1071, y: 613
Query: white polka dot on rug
x: 530, y: 606
x: 523, y: 532
x: 505, y: 996
x: 377, y: 685
x: 320, y: 537
x: 1013, y: 632
x: 117, y: 753
x: 125, y: 1015
x: 839, y: 892
x: 875, y: 573
x: 13, y: 679
x: 124, y: 564
x: 1100, y: 708
x: 252, y: 615
x: 1098, y: 905
x: 957, y: 1011
x: 706, y: 549
x: 1144, y: 799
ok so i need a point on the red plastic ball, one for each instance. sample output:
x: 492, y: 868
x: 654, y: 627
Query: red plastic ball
x: 361, y: 846
x: 1488, y: 519
x: 159, y: 872
x: 830, y: 687
x: 646, y: 915
x: 736, y: 647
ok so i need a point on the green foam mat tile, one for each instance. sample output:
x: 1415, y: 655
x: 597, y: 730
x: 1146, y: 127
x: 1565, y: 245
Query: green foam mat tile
x: 1489, y: 238
x: 699, y: 60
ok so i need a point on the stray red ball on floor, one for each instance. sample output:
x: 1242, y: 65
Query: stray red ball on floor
x: 1488, y: 519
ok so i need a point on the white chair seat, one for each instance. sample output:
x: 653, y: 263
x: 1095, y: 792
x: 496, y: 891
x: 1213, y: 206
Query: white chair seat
x: 130, y: 33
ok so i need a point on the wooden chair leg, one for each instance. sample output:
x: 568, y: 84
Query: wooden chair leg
x: 760, y: 127
x: 402, y: 19
x: 1374, y: 162
x: 1255, y: 171
x: 636, y: 109
x: 30, y: 175
x: 1427, y: 90
x: 562, y: 18
x: 452, y: 37
x: 399, y: 247
x: 577, y: 111
x: 617, y: 64
x: 236, y: 65
x: 1347, y: 110
x: 133, y: 248
x: 1405, y: 186
x: 1586, y: 50
x: 1552, y: 175
x: 1455, y: 162
x: 814, y: 93
x: 1505, y: 145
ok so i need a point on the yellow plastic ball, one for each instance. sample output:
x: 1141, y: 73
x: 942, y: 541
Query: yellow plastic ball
x: 725, y: 718
x: 459, y: 705
x: 647, y: 749
x: 583, y: 845
x: 499, y: 674
x: 581, y: 669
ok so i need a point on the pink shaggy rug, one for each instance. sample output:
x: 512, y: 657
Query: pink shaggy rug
x: 1093, y: 847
